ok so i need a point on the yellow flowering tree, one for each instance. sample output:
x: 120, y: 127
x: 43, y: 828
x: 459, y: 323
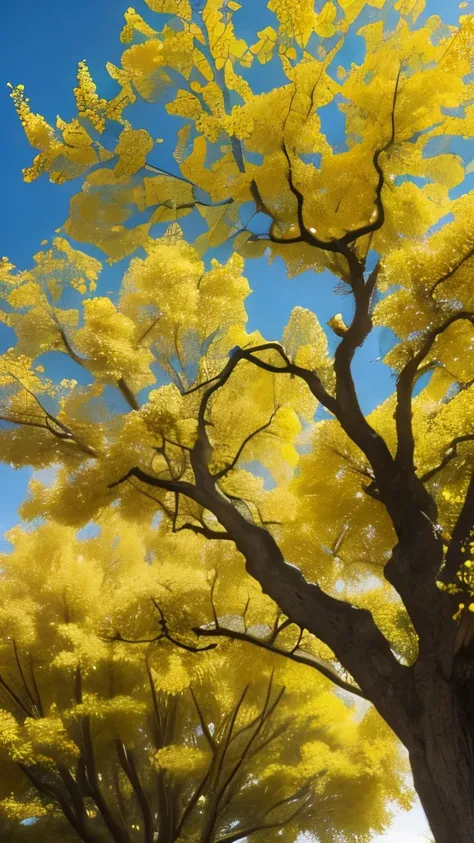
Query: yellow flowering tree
x: 362, y: 542
x: 160, y: 740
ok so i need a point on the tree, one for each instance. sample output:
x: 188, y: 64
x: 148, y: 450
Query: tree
x: 387, y: 494
x: 149, y: 740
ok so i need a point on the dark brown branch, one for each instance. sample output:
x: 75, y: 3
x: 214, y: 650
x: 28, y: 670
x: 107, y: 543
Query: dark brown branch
x: 69, y: 349
x: 54, y: 793
x: 39, y: 703
x: 122, y: 386
x: 224, y: 471
x: 266, y: 714
x: 370, y: 228
x: 204, y: 726
x: 341, y: 244
x: 300, y: 658
x: 461, y: 536
x: 348, y: 410
x: 149, y: 329
x: 350, y: 632
x: 127, y: 762
x: 453, y: 269
x: 234, y: 836
x: 161, y: 505
x: 117, y: 831
x: 128, y: 394
x: 15, y: 698
x: 23, y: 677
x: 298, y: 794
x: 226, y: 791
x: 406, y: 380
x: 230, y: 729
x: 166, y: 633
x: 25, y: 423
x: 450, y: 454
x: 75, y: 795
x: 192, y: 802
x: 163, y: 635
x: 63, y: 433
x: 202, y: 530
x: 278, y: 628
x: 159, y: 483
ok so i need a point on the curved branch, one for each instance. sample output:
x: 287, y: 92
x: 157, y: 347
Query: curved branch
x: 406, y: 380
x: 202, y: 530
x: 370, y: 228
x: 164, y: 634
x: 122, y: 386
x: 451, y: 271
x: 340, y: 244
x: 30, y: 696
x: 450, y: 454
x: 15, y: 698
x: 246, y: 832
x: 224, y: 471
x: 205, y: 728
x: 461, y: 536
x: 127, y: 762
x: 299, y: 657
x: 159, y: 483
x: 63, y: 433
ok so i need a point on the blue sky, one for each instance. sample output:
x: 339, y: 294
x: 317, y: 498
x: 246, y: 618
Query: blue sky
x: 41, y: 45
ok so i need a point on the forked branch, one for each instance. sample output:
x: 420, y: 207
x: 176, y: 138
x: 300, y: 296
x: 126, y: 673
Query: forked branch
x: 406, y: 380
x: 297, y: 655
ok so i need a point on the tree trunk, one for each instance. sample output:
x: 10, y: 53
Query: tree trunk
x: 442, y: 761
x: 449, y: 810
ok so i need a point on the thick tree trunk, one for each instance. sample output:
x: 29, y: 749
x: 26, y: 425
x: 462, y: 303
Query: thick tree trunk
x: 442, y: 761
x: 447, y: 802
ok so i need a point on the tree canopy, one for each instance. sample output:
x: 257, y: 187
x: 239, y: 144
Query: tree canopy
x: 151, y: 740
x: 357, y: 527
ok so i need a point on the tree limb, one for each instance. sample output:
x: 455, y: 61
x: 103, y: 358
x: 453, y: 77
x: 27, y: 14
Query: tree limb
x: 127, y: 762
x: 224, y: 471
x: 234, y: 836
x: 296, y: 656
x: 461, y: 536
x: 164, y: 634
x: 406, y: 380
x: 450, y: 454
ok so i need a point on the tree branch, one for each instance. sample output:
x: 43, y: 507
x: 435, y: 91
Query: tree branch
x: 63, y: 433
x: 224, y: 471
x: 341, y: 244
x: 449, y: 455
x: 406, y: 380
x: 23, y: 677
x: 127, y: 762
x: 164, y: 634
x: 15, y: 698
x: 118, y: 831
x: 461, y: 536
x: 234, y: 836
x: 204, y: 726
x: 301, y: 658
x: 453, y: 269
x: 128, y: 394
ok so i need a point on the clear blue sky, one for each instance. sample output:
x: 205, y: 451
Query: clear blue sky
x: 41, y: 43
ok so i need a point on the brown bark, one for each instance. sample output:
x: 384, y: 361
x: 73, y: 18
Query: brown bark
x: 429, y: 704
x: 442, y: 759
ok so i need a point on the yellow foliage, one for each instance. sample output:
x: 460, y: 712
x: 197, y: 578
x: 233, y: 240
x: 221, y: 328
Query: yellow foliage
x: 160, y: 378
x: 89, y: 694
